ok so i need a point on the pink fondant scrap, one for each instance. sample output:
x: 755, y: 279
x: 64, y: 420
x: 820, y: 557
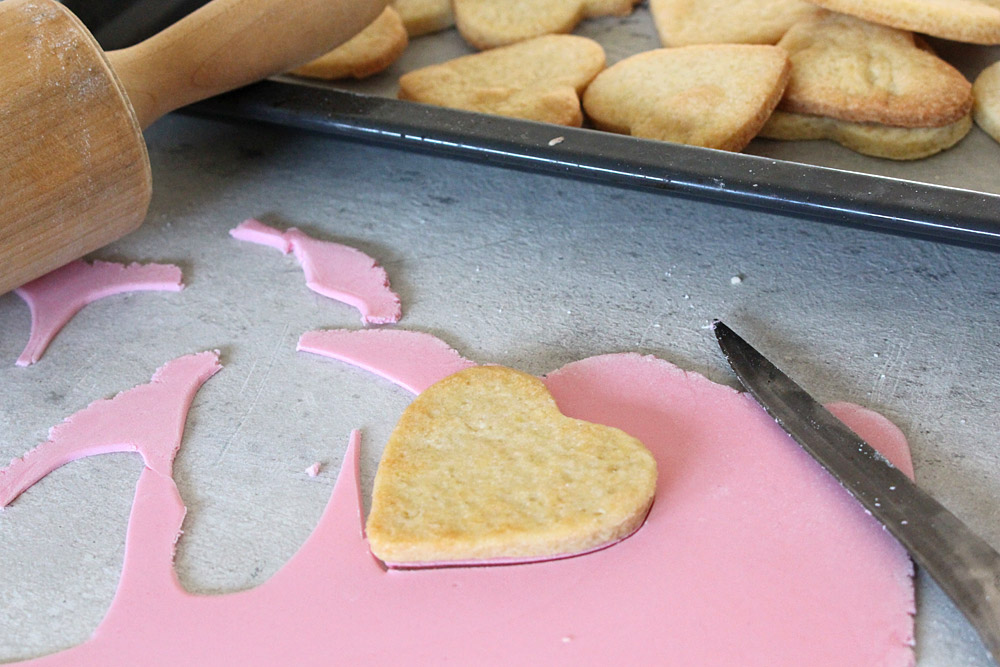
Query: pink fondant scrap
x: 57, y: 296
x: 148, y: 419
x: 334, y: 270
x: 412, y: 359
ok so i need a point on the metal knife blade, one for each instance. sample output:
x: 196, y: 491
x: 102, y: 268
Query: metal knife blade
x: 962, y: 563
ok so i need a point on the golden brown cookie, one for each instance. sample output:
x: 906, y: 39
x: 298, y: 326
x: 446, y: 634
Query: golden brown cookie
x: 539, y: 79
x: 486, y: 24
x: 482, y: 466
x: 422, y: 17
x: 854, y: 70
x: 717, y: 96
x: 686, y: 22
x: 987, y: 93
x: 894, y: 143
x: 961, y: 20
x: 369, y: 52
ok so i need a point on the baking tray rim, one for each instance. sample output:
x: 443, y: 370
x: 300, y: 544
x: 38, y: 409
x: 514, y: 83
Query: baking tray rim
x: 884, y: 203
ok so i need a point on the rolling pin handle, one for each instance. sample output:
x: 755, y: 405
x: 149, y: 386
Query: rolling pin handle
x: 227, y: 44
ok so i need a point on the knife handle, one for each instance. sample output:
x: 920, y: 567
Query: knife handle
x: 231, y: 43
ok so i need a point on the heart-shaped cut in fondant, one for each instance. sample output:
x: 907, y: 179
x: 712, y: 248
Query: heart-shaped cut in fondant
x: 482, y: 467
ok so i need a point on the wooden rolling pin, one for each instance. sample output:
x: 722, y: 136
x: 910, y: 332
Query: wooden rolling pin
x: 74, y: 172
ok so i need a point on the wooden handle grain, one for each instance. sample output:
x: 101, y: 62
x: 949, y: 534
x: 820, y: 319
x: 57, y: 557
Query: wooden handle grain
x: 230, y: 43
x: 74, y: 174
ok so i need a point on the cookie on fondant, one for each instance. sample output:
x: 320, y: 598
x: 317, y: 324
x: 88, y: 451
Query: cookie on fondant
x: 482, y: 466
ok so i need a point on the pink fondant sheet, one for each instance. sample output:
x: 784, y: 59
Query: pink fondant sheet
x: 751, y: 554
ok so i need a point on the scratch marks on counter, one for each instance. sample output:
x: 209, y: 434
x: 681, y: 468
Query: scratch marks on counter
x: 278, y: 346
x: 886, y: 384
x: 653, y: 327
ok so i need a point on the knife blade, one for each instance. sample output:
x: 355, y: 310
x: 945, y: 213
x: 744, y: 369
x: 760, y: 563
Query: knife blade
x: 962, y: 563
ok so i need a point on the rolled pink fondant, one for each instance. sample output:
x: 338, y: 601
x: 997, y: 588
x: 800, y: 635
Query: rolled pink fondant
x: 334, y: 270
x: 56, y: 297
x: 751, y: 555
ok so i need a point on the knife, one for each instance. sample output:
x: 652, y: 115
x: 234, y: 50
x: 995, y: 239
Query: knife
x: 962, y: 563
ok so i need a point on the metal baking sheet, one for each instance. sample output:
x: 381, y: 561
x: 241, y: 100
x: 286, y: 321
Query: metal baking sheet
x: 952, y: 197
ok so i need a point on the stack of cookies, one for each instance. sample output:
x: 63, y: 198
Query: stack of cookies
x: 852, y: 71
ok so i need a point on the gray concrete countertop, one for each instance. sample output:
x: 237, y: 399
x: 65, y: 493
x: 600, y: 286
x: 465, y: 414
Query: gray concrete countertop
x: 526, y: 270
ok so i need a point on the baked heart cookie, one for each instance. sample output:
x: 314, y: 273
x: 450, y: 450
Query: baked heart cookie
x: 973, y: 21
x: 987, y: 107
x: 686, y: 22
x: 717, y: 95
x: 422, y: 17
x: 539, y: 79
x: 482, y: 467
x: 854, y: 70
x: 486, y: 24
x: 885, y: 141
x: 367, y: 53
